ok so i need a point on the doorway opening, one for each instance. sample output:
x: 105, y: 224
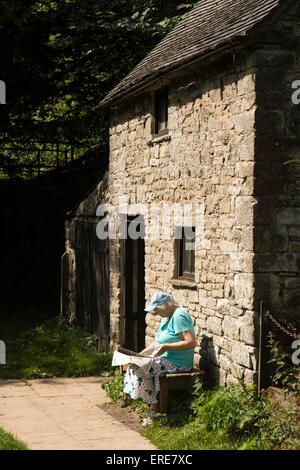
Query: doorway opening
x: 134, y: 251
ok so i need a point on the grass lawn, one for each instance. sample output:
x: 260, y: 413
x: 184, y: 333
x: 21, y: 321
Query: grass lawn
x: 8, y: 442
x: 39, y: 344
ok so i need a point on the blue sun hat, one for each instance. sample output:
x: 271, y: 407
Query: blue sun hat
x: 157, y: 299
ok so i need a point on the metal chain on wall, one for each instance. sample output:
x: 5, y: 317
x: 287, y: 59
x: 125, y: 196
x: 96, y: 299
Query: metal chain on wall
x: 294, y: 334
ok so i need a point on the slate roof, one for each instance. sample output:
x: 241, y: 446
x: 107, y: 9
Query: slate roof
x: 209, y: 26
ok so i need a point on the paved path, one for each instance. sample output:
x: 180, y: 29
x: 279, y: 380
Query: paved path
x: 62, y: 414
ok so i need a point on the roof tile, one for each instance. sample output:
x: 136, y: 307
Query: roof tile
x: 208, y: 26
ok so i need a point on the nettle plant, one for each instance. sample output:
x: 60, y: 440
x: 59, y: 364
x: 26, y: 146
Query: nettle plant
x: 286, y: 374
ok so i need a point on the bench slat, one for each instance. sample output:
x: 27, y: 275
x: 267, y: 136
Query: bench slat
x: 185, y: 374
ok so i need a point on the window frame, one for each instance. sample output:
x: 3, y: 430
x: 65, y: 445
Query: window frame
x: 180, y: 250
x: 161, y: 100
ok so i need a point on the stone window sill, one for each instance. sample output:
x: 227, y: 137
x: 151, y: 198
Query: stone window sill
x: 189, y: 283
x: 159, y: 139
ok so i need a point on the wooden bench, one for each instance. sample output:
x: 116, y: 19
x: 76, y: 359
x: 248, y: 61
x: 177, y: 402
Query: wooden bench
x: 177, y: 381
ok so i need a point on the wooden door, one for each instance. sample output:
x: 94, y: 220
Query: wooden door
x: 92, y: 282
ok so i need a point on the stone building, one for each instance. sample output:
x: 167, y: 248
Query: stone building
x: 207, y: 122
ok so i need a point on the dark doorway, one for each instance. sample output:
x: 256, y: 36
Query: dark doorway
x: 92, y: 282
x: 135, y: 324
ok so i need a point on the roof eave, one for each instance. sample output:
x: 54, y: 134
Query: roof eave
x: 241, y: 40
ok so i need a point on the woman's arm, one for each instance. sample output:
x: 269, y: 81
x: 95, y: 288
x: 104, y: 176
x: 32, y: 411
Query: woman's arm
x: 188, y: 342
x: 148, y: 350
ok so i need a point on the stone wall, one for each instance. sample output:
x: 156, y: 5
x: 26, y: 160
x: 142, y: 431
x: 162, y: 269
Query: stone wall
x: 277, y: 185
x: 207, y: 158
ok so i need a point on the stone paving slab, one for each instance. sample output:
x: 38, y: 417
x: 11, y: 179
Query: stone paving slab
x: 15, y: 388
x: 64, y: 414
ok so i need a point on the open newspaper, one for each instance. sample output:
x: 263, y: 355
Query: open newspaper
x: 125, y: 356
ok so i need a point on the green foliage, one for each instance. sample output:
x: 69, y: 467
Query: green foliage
x: 280, y: 430
x: 227, y: 418
x: 8, y: 442
x: 285, y: 372
x: 60, y: 58
x: 234, y: 409
x: 49, y: 348
x: 21, y: 160
x: 223, y: 418
x: 114, y: 390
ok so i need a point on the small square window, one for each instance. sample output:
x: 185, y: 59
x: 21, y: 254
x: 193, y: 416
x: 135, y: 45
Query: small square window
x: 161, y: 112
x: 185, y: 252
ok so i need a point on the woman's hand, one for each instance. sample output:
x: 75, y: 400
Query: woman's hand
x: 188, y: 342
x: 161, y: 349
x: 149, y: 349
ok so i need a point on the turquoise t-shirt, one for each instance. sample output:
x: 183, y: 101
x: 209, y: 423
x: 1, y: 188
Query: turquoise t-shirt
x: 168, y: 333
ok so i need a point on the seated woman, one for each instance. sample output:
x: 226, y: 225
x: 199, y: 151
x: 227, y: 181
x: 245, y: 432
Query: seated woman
x: 173, y: 350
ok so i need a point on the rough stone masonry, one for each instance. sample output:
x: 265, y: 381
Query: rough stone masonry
x: 232, y: 125
x: 208, y: 156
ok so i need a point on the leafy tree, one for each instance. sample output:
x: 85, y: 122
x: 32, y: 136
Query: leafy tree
x: 60, y: 58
